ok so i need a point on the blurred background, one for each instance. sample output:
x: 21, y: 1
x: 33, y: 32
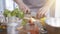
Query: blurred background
x: 54, y: 11
x: 7, y: 4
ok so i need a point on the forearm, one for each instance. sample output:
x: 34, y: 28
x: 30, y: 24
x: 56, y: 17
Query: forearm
x: 49, y: 3
x: 19, y: 2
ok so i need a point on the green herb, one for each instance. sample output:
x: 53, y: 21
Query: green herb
x: 24, y: 21
x: 20, y: 15
x: 16, y: 13
x: 6, y: 12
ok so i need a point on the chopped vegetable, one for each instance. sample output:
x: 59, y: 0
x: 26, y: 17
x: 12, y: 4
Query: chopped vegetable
x: 20, y: 15
x: 24, y: 22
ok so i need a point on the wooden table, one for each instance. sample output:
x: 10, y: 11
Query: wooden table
x: 53, y: 30
x: 50, y: 29
x: 3, y: 32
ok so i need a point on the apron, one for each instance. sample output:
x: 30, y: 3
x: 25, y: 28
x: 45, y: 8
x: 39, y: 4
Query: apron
x: 34, y: 5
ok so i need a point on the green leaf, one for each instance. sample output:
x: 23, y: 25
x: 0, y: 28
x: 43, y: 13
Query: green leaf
x: 6, y: 12
x: 20, y: 14
x: 9, y: 15
x: 24, y: 22
x: 15, y: 12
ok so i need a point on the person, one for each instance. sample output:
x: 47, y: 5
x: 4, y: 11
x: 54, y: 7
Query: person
x: 38, y: 6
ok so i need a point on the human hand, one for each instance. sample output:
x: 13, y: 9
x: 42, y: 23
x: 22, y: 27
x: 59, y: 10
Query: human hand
x: 41, y: 12
x: 25, y: 8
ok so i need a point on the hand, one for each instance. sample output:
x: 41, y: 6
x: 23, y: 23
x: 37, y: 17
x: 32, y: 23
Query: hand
x: 24, y: 8
x: 41, y: 12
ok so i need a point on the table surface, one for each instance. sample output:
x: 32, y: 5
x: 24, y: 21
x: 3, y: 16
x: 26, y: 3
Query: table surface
x: 51, y: 30
x: 3, y: 32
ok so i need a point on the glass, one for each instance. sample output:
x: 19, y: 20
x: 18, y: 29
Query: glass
x: 34, y: 28
x: 2, y: 22
x: 2, y: 18
x: 12, y: 25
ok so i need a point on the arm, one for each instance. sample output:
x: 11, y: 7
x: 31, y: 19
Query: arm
x: 19, y: 2
x: 42, y: 11
x: 22, y: 6
x: 49, y: 3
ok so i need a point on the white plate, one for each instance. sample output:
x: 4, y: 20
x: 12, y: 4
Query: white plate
x: 55, y: 22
